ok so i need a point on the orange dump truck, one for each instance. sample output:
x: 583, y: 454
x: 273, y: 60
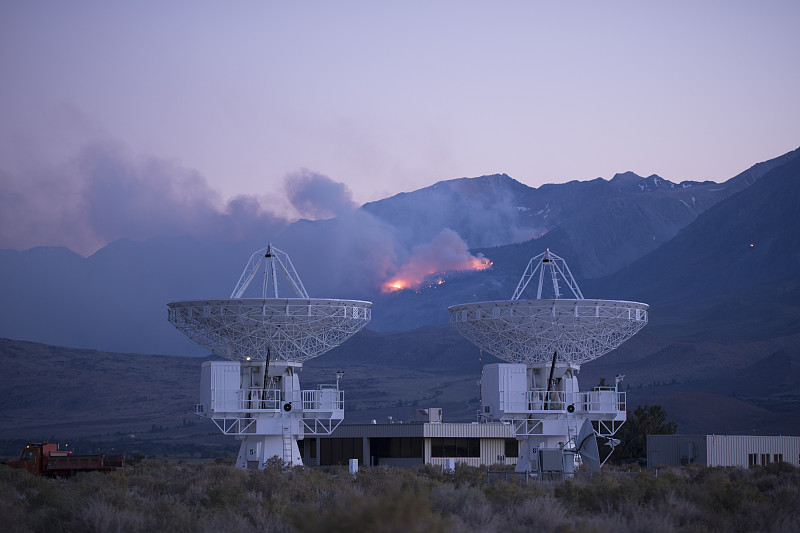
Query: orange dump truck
x: 43, y: 458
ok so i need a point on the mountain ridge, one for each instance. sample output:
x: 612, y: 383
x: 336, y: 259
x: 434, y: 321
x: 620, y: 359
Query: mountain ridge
x: 721, y: 351
x: 758, y: 237
x: 115, y: 299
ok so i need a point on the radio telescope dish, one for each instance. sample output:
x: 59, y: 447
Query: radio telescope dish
x: 530, y: 331
x: 279, y: 329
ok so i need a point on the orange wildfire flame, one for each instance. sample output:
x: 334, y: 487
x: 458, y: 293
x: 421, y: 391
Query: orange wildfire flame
x: 415, y: 278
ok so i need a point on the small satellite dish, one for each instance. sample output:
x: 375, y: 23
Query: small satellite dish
x: 586, y: 446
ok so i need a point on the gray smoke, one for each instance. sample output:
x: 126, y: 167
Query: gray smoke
x: 318, y: 197
x: 106, y: 193
x: 139, y: 197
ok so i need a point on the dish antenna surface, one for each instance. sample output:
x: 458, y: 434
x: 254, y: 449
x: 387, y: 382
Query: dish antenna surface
x: 545, y: 340
x: 586, y: 446
x: 284, y: 329
x: 530, y: 331
x: 256, y: 396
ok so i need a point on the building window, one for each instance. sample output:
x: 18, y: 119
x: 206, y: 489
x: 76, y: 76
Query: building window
x: 512, y: 448
x: 340, y: 451
x: 752, y: 459
x: 765, y: 459
x: 777, y: 458
x: 455, y: 447
x: 396, y: 447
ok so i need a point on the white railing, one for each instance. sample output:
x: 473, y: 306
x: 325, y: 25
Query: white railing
x: 253, y: 400
x: 323, y: 399
x: 543, y: 401
x: 604, y: 401
x: 260, y: 400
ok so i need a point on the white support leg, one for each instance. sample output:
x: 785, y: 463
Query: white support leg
x: 257, y: 450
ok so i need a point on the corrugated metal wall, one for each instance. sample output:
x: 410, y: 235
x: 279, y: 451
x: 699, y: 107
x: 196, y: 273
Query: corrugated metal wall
x: 378, y: 430
x: 734, y: 450
x: 496, y: 430
x: 721, y: 450
x: 494, y: 451
x: 441, y: 461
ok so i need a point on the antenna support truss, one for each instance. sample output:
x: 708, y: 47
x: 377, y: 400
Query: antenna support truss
x: 557, y: 269
x: 529, y: 331
x: 273, y: 260
x: 269, y: 327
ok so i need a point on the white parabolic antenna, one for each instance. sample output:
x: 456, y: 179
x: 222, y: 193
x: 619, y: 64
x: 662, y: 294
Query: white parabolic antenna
x: 531, y: 331
x: 279, y: 329
x: 256, y: 396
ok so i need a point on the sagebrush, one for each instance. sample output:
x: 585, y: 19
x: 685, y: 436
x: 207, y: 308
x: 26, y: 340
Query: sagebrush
x: 198, y: 497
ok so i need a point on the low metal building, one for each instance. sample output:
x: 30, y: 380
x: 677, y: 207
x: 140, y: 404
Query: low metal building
x: 722, y: 450
x: 411, y: 444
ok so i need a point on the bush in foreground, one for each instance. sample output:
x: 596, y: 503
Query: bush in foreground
x: 179, y: 497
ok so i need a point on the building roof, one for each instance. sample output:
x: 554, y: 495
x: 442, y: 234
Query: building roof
x: 426, y: 429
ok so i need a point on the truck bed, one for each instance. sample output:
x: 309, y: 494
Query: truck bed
x: 82, y: 462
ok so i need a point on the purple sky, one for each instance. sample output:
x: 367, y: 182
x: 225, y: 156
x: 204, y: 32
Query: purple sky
x: 111, y: 112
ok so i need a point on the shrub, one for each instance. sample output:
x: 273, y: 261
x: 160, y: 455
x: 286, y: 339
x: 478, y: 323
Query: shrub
x: 400, y: 511
x: 159, y: 496
x: 468, y: 508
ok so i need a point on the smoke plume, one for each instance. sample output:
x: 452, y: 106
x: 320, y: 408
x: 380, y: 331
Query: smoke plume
x: 318, y: 197
x: 446, y: 252
x: 106, y: 193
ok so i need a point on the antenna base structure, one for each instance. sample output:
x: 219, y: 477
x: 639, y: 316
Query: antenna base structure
x: 544, y: 341
x: 255, y: 395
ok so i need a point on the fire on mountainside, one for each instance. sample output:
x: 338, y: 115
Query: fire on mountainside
x: 417, y: 276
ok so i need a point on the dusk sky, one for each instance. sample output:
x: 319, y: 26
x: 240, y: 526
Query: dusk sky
x: 184, y: 112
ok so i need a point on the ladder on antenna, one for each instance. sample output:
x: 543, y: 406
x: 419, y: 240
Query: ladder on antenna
x: 572, y: 437
x: 555, y: 279
x: 287, y: 444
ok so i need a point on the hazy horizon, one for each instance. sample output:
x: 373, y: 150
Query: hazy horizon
x: 135, y: 120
